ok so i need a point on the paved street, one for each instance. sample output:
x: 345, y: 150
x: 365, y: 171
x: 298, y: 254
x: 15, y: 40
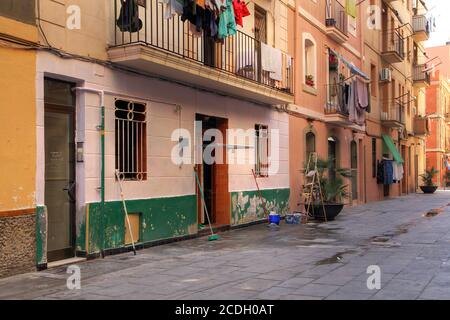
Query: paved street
x: 314, y: 261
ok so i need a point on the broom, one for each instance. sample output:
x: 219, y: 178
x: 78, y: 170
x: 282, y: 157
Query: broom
x: 212, y: 237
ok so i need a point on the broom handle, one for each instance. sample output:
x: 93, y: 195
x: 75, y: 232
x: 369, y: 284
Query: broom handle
x: 126, y: 211
x: 203, y: 200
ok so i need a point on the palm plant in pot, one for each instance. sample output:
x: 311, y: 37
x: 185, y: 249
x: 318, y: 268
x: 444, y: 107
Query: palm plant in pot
x: 429, y: 186
x: 334, y: 191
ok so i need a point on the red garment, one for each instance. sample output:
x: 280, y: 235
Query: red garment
x: 240, y: 11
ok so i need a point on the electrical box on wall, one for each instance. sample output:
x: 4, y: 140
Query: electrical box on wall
x: 80, y: 151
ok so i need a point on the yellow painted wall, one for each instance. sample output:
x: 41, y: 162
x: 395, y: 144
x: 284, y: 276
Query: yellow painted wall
x: 17, y: 120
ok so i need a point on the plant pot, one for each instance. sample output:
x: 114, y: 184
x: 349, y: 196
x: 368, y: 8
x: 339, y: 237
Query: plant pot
x: 332, y: 210
x: 330, y: 22
x: 429, y: 189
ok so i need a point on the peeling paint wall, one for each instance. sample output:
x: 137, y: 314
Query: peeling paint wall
x: 41, y: 236
x: 247, y: 207
x: 161, y: 218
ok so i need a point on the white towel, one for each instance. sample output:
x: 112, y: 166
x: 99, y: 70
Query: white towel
x: 271, y: 61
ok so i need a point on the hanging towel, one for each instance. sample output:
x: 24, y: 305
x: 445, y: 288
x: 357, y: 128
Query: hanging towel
x: 128, y: 20
x: 227, y: 21
x: 240, y: 11
x: 277, y: 64
x: 266, y: 57
x: 350, y: 8
x: 172, y: 7
x: 388, y: 172
x: 272, y: 61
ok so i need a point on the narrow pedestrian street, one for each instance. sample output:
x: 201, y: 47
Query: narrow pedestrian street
x: 408, y: 238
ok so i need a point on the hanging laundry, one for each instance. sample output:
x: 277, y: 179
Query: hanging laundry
x: 350, y: 8
x: 227, y: 22
x: 358, y: 102
x: 173, y: 7
x: 388, y: 172
x: 271, y: 61
x: 128, y: 20
x: 240, y: 11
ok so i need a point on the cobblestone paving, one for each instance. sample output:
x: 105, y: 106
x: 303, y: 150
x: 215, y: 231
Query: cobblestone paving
x: 314, y: 261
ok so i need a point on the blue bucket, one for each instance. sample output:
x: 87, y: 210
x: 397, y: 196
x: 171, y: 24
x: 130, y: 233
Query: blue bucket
x: 274, y: 218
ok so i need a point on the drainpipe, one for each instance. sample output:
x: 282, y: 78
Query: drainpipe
x: 101, y: 128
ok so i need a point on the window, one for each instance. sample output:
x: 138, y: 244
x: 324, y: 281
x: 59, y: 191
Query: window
x: 262, y: 150
x: 20, y: 10
x: 310, y: 144
x: 131, y: 142
x: 260, y: 24
x: 374, y: 157
x: 309, y: 61
x: 374, y: 80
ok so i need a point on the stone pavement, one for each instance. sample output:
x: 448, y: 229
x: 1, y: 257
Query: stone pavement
x: 314, y: 261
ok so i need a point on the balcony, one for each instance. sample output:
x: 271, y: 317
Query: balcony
x: 393, y: 48
x: 335, y: 113
x: 336, y: 22
x: 421, y: 126
x: 421, y: 77
x: 393, y: 116
x: 421, y: 28
x: 173, y: 49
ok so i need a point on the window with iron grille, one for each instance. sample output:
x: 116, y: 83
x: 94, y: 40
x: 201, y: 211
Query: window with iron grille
x: 130, y: 140
x: 262, y: 150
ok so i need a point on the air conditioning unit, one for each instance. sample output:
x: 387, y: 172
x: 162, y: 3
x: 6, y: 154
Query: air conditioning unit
x: 386, y: 75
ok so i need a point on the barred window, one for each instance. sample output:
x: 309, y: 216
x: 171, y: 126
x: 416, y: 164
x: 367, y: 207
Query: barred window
x: 262, y: 150
x: 131, y: 142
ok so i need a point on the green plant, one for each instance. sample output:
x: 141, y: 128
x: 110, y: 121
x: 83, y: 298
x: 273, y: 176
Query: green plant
x: 334, y: 189
x: 447, y: 177
x: 428, y: 177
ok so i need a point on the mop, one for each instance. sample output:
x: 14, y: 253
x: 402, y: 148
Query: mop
x: 212, y: 237
x: 126, y: 211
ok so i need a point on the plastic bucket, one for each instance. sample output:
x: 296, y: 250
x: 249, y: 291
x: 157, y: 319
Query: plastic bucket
x: 274, y: 218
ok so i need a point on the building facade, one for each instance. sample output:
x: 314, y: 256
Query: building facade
x: 142, y: 85
x: 18, y: 143
x: 124, y: 98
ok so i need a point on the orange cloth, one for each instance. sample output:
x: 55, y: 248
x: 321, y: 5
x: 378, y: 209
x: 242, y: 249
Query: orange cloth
x: 201, y: 3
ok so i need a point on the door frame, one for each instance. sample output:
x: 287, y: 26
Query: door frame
x: 220, y: 194
x: 68, y: 252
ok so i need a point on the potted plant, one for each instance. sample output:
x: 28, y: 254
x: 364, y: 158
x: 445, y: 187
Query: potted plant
x: 330, y: 22
x: 334, y: 191
x: 447, y: 178
x: 309, y: 80
x: 429, y: 186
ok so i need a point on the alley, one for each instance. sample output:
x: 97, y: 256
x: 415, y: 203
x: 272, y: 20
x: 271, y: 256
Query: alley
x: 408, y: 238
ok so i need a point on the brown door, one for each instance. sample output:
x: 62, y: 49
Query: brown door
x: 221, y: 194
x: 60, y: 170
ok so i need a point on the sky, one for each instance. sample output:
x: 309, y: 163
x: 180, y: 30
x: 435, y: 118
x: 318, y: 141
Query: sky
x: 440, y: 9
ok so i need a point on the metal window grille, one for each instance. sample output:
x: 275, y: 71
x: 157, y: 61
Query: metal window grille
x: 130, y: 140
x: 262, y: 151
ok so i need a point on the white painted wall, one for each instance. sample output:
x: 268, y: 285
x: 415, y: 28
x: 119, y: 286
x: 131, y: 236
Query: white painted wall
x: 165, y: 178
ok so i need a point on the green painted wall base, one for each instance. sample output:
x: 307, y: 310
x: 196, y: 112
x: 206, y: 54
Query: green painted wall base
x: 247, y: 207
x: 160, y: 218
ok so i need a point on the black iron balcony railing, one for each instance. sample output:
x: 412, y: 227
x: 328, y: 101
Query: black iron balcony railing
x: 239, y: 55
x: 394, y: 42
x: 335, y: 105
x: 420, y: 73
x: 421, y: 24
x: 336, y: 16
x: 393, y: 112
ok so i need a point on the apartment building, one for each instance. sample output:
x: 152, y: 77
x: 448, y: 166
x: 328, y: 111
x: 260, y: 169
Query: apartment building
x: 18, y: 142
x: 438, y: 112
x: 127, y: 89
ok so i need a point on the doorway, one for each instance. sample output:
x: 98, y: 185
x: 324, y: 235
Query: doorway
x: 354, y: 168
x: 60, y: 184
x: 214, y: 176
x: 332, y: 156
